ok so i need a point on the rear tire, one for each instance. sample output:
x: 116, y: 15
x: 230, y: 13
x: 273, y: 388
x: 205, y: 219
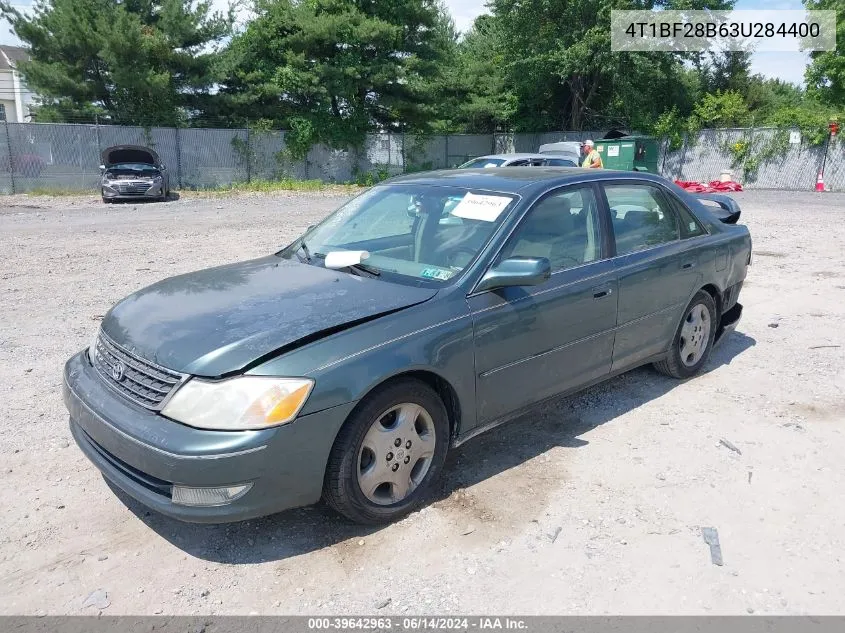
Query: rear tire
x: 388, y: 453
x: 693, y: 339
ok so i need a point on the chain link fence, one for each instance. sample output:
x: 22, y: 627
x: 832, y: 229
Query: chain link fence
x: 66, y: 157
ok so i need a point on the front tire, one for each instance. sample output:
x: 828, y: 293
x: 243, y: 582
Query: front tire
x: 693, y: 340
x: 388, y: 453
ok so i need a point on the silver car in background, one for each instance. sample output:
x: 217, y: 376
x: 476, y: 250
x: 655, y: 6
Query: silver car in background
x: 521, y: 160
x: 571, y: 150
x: 131, y: 172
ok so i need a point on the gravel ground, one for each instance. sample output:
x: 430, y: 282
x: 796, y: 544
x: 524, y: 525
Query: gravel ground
x: 592, y: 505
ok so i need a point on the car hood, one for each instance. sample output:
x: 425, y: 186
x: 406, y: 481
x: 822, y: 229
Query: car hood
x: 129, y: 154
x: 220, y: 320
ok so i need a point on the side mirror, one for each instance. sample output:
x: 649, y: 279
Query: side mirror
x: 311, y: 226
x: 516, y: 271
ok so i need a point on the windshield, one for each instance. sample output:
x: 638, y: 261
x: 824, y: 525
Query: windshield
x: 134, y: 167
x: 483, y: 162
x: 417, y: 234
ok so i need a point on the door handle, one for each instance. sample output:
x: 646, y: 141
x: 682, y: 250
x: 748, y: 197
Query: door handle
x: 599, y: 294
x: 687, y: 265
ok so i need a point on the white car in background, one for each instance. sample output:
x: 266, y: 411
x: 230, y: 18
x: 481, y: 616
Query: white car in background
x: 521, y: 160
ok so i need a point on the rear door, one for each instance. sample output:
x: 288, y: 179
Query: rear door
x: 658, y: 272
x: 535, y: 342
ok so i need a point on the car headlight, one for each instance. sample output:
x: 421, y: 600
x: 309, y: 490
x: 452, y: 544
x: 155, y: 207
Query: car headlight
x: 238, y: 404
x: 157, y: 178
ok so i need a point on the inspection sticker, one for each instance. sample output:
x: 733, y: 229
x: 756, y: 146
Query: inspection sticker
x: 437, y: 273
x: 485, y: 208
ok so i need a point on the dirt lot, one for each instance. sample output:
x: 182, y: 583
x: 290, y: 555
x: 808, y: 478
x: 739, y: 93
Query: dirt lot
x: 593, y: 505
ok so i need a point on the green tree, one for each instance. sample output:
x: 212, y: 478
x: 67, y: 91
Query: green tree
x: 332, y: 70
x: 825, y: 75
x: 764, y: 97
x: 472, y: 94
x: 556, y: 60
x: 722, y: 109
x: 145, y: 62
x: 729, y: 70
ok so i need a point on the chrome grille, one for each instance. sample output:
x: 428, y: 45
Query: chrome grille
x: 132, y: 188
x: 139, y: 380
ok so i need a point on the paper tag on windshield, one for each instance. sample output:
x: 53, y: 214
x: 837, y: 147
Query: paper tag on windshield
x: 485, y: 208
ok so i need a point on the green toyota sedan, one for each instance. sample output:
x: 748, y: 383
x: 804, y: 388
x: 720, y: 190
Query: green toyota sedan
x: 427, y: 310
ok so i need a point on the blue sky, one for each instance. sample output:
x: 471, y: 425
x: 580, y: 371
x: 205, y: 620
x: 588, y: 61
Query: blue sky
x: 787, y: 65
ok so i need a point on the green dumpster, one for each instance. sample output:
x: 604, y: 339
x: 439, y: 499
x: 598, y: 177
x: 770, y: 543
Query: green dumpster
x: 629, y: 153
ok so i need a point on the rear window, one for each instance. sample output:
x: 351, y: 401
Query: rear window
x: 482, y: 162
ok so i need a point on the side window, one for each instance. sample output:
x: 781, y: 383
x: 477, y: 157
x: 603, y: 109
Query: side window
x: 690, y: 227
x: 519, y: 163
x: 641, y: 217
x: 560, y: 162
x: 562, y: 227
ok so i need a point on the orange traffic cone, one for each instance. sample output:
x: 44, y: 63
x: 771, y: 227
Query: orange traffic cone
x: 820, y: 182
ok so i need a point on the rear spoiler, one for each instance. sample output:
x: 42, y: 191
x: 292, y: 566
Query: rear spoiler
x: 723, y: 207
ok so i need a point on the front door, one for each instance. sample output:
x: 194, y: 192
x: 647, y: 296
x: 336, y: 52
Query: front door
x: 535, y: 342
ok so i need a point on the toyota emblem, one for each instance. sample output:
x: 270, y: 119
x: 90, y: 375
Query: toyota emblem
x: 117, y: 371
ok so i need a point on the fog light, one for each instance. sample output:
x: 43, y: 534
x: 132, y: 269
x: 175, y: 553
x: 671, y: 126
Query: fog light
x: 185, y: 496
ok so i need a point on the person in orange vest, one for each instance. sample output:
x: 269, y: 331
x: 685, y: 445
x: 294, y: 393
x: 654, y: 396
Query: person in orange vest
x: 592, y: 158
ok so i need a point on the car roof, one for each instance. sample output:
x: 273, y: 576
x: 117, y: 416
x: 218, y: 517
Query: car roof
x: 520, y: 180
x: 514, y: 156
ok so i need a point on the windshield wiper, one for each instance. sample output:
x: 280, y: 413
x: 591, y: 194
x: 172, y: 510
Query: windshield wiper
x: 304, y: 248
x: 375, y: 272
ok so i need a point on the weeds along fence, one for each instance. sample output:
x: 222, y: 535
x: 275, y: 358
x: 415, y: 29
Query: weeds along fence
x: 66, y: 157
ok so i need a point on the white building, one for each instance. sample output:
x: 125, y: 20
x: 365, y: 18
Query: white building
x: 15, y: 98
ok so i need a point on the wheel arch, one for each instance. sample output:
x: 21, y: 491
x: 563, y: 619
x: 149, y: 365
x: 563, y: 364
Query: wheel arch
x: 714, y: 292
x: 447, y: 392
